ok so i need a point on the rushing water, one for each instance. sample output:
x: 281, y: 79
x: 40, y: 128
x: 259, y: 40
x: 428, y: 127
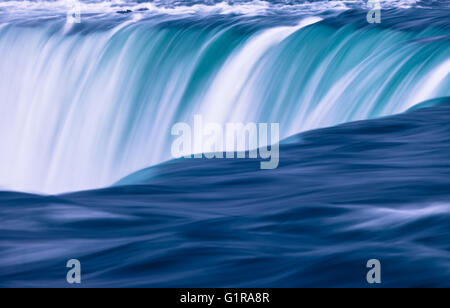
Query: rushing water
x: 84, y: 105
x: 86, y: 112
x: 341, y: 196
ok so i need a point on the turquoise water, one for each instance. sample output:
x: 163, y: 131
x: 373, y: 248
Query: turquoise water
x: 84, y: 105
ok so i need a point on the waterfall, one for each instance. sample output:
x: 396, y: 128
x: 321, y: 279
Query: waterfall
x: 83, y: 107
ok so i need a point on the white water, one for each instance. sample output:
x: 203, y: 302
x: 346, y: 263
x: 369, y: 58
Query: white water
x: 80, y: 111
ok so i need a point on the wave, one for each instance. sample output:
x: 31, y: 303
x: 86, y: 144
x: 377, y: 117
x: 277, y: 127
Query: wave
x: 341, y: 196
x: 247, y: 7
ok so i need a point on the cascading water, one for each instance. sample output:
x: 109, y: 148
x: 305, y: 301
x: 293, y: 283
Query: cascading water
x: 84, y: 105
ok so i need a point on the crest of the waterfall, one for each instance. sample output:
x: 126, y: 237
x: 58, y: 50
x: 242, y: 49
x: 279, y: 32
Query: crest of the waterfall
x: 230, y: 98
x: 430, y: 84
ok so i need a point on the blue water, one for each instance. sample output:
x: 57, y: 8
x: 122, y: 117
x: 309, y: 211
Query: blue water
x: 341, y: 196
x: 86, y: 170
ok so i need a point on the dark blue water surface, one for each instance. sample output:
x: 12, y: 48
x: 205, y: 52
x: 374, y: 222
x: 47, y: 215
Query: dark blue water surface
x: 341, y: 196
